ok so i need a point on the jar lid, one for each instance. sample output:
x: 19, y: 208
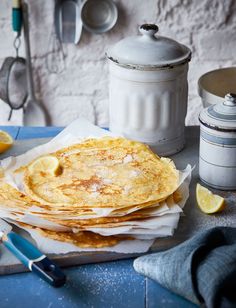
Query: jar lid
x: 221, y: 116
x: 148, y: 50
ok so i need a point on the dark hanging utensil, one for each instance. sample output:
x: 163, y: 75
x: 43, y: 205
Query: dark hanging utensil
x: 13, y: 74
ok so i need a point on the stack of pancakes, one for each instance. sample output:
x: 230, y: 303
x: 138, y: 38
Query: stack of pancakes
x: 109, y: 190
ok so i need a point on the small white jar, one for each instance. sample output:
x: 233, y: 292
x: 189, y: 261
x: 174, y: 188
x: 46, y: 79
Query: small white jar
x: 217, y: 161
x: 149, y: 89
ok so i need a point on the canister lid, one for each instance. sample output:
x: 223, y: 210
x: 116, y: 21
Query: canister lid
x: 221, y: 116
x: 148, y: 50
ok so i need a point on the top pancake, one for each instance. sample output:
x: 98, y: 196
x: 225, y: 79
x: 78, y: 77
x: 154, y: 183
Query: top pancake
x: 104, y: 172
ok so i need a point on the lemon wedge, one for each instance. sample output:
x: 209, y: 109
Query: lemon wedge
x: 207, y: 201
x: 48, y: 164
x: 6, y: 141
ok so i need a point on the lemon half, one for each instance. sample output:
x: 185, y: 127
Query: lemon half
x: 48, y: 164
x: 207, y: 201
x: 6, y: 141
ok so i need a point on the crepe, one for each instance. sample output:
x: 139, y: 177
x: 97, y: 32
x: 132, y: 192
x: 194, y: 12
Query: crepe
x: 109, y: 189
x: 19, y: 208
x: 115, y: 221
x: 83, y: 239
x: 105, y: 172
x: 11, y: 198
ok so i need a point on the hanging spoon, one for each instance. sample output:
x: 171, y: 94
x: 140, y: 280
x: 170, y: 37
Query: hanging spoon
x: 34, y: 113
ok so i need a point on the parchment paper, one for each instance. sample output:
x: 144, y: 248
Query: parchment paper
x: 162, y: 223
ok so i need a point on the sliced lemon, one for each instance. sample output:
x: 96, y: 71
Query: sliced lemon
x: 6, y: 141
x: 207, y: 201
x: 48, y: 164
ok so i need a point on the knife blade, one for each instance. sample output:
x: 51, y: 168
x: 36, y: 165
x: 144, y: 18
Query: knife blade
x: 31, y: 256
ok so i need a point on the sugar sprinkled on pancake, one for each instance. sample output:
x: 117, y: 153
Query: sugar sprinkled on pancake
x: 105, y: 172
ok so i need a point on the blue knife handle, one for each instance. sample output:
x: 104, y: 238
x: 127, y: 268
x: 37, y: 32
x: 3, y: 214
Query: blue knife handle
x: 49, y: 271
x: 32, y: 258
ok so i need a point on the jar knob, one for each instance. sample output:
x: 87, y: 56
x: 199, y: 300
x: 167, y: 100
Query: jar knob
x: 148, y: 29
x: 230, y: 99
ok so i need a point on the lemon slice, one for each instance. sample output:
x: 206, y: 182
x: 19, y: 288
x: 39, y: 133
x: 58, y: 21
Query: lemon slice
x: 208, y: 202
x: 6, y: 141
x: 48, y: 164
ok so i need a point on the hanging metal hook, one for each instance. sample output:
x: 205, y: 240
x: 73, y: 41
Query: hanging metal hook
x: 16, y: 44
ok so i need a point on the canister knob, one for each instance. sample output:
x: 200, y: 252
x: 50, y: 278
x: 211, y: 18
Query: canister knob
x: 148, y: 29
x: 230, y: 99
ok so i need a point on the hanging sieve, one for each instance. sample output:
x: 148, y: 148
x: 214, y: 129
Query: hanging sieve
x: 13, y: 80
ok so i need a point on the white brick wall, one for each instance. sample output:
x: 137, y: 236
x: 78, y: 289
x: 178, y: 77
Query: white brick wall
x: 206, y: 26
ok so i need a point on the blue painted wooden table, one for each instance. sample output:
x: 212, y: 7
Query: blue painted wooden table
x: 112, y: 284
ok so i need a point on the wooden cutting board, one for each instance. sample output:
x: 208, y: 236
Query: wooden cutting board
x: 192, y: 221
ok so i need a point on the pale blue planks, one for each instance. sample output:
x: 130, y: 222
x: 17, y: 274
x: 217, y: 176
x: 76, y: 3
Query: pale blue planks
x: 157, y: 296
x: 12, y: 130
x: 113, y: 284
x: 38, y: 132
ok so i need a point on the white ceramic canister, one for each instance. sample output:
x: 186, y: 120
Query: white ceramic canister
x: 217, y: 161
x: 149, y: 89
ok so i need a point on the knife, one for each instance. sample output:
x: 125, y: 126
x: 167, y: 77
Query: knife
x: 30, y: 256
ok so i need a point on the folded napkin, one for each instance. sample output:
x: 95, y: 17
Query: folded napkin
x: 202, y: 269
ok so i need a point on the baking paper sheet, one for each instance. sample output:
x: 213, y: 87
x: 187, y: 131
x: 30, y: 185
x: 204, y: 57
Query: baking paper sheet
x: 164, y: 220
x: 47, y: 245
